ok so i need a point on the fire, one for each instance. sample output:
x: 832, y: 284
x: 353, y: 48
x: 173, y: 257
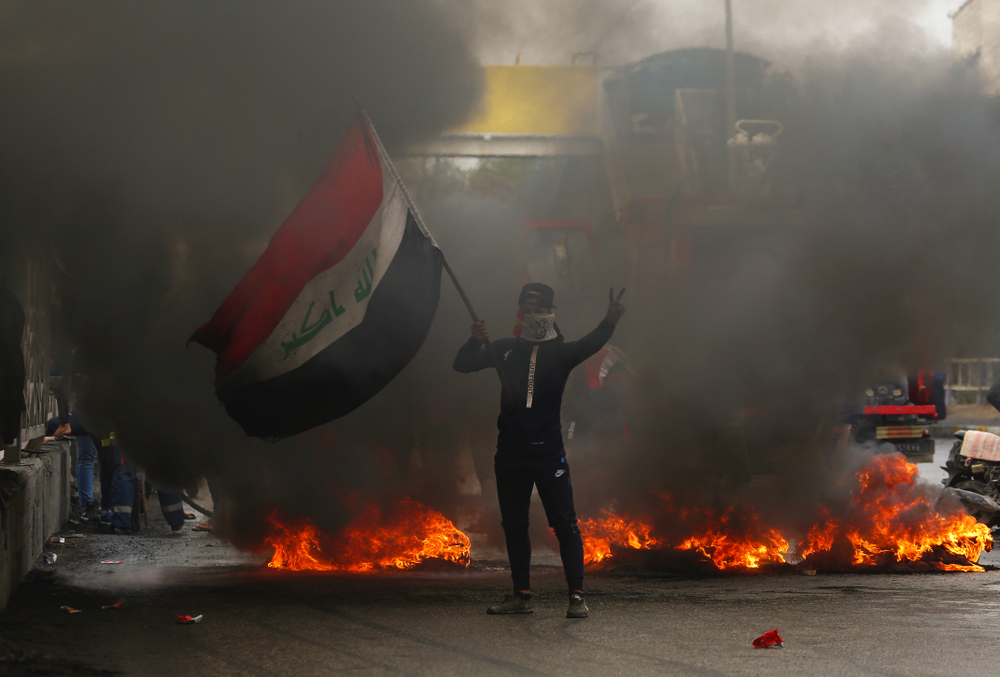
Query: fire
x: 821, y: 535
x: 737, y: 538
x: 599, y: 535
x: 749, y: 546
x: 411, y: 534
x: 890, y: 519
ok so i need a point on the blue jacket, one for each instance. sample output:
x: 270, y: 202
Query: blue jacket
x: 534, y: 427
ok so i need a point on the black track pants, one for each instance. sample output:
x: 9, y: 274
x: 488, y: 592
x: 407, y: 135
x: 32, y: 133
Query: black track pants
x: 516, y: 475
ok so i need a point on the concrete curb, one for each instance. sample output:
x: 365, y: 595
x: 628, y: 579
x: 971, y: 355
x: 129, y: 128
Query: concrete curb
x: 34, y: 504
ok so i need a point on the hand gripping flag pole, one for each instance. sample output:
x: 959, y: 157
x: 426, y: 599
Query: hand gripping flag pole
x: 507, y: 394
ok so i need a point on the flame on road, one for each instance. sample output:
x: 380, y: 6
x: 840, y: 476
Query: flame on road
x: 601, y: 534
x: 736, y: 538
x: 888, y: 519
x: 411, y: 534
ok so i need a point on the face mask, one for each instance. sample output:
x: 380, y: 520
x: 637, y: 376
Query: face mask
x: 536, y: 328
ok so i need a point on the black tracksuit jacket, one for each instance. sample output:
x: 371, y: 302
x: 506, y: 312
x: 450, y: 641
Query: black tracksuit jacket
x: 533, y: 429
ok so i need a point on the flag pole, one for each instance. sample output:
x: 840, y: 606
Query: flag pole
x: 507, y: 394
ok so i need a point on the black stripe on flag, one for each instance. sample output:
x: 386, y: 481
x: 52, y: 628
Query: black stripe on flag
x: 355, y: 367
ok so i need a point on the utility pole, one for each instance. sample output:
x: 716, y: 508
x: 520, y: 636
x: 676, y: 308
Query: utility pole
x: 734, y: 176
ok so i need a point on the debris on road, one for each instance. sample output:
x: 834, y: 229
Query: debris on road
x: 769, y: 640
x: 57, y: 539
x: 116, y: 605
x: 807, y: 572
x: 112, y: 561
x: 49, y: 558
x: 188, y: 620
x: 70, y: 610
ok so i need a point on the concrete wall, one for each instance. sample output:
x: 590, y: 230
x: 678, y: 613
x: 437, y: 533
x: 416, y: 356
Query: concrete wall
x: 34, y: 504
x: 975, y: 31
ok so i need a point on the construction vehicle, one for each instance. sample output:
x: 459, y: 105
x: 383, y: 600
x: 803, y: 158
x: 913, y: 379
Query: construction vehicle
x: 889, y: 415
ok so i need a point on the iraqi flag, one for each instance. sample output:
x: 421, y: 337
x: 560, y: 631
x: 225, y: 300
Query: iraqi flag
x: 339, y: 302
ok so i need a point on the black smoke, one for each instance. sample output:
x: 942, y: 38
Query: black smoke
x: 149, y: 151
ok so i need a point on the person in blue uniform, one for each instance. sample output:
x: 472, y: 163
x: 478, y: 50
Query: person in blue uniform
x: 537, y: 362
x: 123, y: 485
x: 126, y: 483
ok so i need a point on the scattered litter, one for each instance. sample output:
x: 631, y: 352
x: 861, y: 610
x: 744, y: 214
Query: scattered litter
x: 188, y: 620
x: 50, y: 558
x: 74, y: 536
x: 116, y: 605
x: 70, y: 610
x: 74, y: 523
x: 769, y: 640
x: 112, y: 561
x: 807, y: 572
x: 57, y: 539
x: 207, y: 545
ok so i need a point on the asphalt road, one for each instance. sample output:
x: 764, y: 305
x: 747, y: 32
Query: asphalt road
x: 263, y: 622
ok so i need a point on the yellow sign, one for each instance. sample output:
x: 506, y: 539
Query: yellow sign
x: 551, y: 100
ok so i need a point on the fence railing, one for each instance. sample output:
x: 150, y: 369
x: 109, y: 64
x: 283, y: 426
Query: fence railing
x: 971, y: 375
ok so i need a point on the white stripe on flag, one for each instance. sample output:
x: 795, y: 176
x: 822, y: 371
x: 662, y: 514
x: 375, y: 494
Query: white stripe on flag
x: 314, y: 322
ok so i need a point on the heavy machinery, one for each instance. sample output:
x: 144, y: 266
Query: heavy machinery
x: 889, y: 416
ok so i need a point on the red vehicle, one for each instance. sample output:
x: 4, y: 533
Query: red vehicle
x: 898, y: 411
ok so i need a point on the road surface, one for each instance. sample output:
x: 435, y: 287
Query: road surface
x: 270, y: 623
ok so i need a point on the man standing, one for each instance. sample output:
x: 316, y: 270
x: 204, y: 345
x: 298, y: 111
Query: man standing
x: 537, y: 363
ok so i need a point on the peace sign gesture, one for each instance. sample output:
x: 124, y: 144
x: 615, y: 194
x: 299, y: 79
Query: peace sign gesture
x: 615, y: 309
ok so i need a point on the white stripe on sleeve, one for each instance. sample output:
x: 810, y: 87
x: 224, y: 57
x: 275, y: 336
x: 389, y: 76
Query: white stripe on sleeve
x: 531, y: 377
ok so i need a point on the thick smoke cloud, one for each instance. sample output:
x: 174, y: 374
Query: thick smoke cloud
x: 881, y: 264
x: 153, y: 150
x: 620, y: 31
x: 891, y: 153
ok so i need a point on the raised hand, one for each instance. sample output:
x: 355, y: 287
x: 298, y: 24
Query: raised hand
x: 615, y: 308
x: 479, y: 331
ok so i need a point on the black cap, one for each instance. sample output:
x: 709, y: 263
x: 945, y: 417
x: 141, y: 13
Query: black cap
x: 540, y: 292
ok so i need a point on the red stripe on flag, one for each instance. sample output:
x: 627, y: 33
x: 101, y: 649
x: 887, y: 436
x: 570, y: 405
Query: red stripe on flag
x: 318, y: 234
